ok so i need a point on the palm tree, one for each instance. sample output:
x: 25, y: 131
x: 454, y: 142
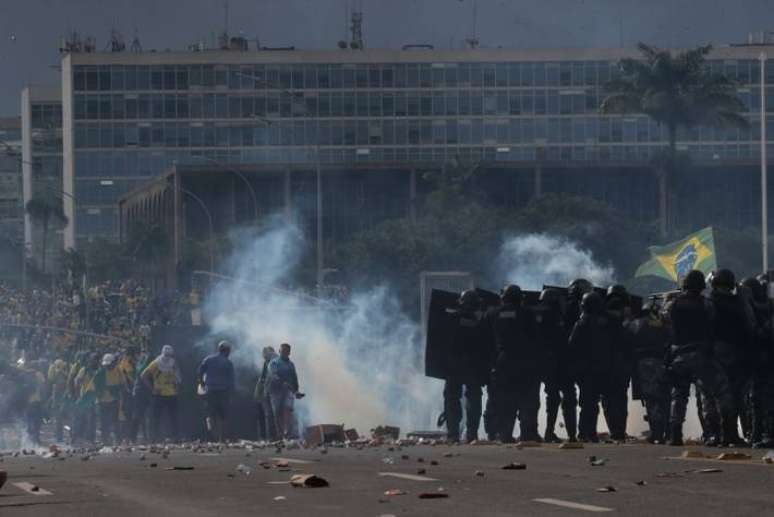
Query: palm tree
x: 45, y: 211
x: 676, y: 91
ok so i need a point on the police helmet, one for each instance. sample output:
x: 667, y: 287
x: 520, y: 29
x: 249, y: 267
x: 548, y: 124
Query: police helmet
x: 723, y: 279
x: 617, y: 291
x: 579, y: 287
x: 550, y: 295
x: 757, y: 289
x: 511, y: 294
x: 470, y: 298
x: 694, y: 281
x: 591, y: 303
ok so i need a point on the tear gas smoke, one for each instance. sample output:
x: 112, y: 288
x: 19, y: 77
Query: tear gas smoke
x: 535, y: 260
x: 360, y: 362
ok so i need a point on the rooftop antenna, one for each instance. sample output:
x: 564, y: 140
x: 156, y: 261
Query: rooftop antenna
x: 116, y: 41
x: 135, y: 46
x: 357, y: 26
x: 472, y: 40
x: 223, y: 40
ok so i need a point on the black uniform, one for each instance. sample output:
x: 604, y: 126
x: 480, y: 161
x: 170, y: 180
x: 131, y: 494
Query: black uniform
x: 650, y: 383
x: 472, y: 352
x: 516, y: 374
x: 615, y: 401
x: 691, y: 359
x: 591, y: 342
x: 733, y: 350
x: 762, y: 432
x: 551, y: 337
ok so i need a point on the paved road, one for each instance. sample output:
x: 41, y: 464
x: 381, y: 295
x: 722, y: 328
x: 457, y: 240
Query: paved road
x: 555, y: 482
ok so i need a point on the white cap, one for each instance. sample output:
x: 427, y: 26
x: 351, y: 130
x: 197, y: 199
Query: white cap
x: 108, y: 359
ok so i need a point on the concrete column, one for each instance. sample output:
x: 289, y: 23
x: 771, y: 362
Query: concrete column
x: 413, y: 195
x: 287, y: 194
x: 538, y: 192
x: 177, y: 207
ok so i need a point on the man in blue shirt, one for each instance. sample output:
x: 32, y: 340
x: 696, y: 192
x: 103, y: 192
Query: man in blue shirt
x: 282, y: 389
x: 216, y: 375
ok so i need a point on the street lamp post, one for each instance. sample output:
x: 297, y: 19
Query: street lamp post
x: 764, y: 171
x: 209, y: 221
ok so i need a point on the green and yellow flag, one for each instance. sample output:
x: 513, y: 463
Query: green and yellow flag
x: 675, y: 260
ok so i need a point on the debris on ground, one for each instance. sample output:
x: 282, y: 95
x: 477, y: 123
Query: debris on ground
x: 385, y: 432
x: 281, y: 464
x: 388, y: 460
x: 280, y: 498
x: 597, y: 462
x: 691, y: 453
x: 420, y: 460
x: 433, y: 495
x: 395, y: 491
x: 308, y: 481
x: 179, y: 468
x: 641, y: 482
x: 734, y: 456
x: 669, y: 475
x: 153, y: 465
x: 571, y: 445
x: 709, y: 471
x: 421, y: 472
x: 316, y: 435
x: 426, y: 435
x: 514, y: 466
x: 607, y: 489
x: 404, y: 456
x: 243, y: 469
x: 3, y: 477
x: 479, y: 473
x: 527, y: 443
x: 434, y: 463
x: 448, y: 454
x: 768, y: 457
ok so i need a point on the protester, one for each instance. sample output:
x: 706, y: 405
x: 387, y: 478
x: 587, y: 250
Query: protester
x: 162, y: 377
x: 282, y: 388
x: 216, y: 375
x: 266, y: 429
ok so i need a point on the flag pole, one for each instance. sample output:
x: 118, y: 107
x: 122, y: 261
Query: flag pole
x: 764, y: 186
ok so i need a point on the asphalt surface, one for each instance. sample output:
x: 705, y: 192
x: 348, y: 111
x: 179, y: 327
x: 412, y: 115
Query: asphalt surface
x: 648, y: 480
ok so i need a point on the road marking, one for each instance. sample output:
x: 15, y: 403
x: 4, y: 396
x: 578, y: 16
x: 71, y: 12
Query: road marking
x: 412, y: 477
x: 30, y: 488
x: 289, y: 460
x: 574, y: 506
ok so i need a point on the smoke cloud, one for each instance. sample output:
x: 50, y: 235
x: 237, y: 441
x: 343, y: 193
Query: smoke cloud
x: 360, y: 362
x: 535, y: 260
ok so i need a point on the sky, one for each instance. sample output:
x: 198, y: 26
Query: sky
x: 31, y: 30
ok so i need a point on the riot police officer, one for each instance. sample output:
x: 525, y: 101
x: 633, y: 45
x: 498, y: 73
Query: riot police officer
x: 650, y: 383
x: 592, y: 344
x: 516, y: 374
x: 734, y: 324
x: 618, y: 312
x: 551, y: 337
x: 692, y: 319
x: 472, y: 352
x: 761, y: 389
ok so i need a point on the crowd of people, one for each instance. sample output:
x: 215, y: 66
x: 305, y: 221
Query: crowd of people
x: 714, y: 333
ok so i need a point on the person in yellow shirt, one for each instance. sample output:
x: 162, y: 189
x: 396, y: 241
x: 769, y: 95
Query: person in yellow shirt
x: 87, y: 394
x: 57, y: 381
x: 162, y: 377
x: 110, y: 384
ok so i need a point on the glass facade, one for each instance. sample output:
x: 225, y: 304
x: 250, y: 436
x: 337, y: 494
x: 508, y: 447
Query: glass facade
x: 130, y: 122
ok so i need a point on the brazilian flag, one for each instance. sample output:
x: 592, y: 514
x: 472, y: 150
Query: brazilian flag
x: 674, y: 261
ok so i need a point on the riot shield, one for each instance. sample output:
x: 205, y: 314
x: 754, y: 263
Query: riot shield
x: 440, y: 333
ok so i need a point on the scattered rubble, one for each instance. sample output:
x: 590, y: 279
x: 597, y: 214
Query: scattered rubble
x: 433, y: 495
x: 571, y: 445
x: 692, y: 454
x: 607, y: 489
x: 768, y: 457
x: 308, y: 481
x: 709, y: 471
x: 514, y: 466
x: 734, y: 456
x: 179, y: 468
x: 385, y: 432
x: 395, y: 491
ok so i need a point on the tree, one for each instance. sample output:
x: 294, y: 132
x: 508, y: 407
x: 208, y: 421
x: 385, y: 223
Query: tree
x: 45, y: 210
x: 677, y: 91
